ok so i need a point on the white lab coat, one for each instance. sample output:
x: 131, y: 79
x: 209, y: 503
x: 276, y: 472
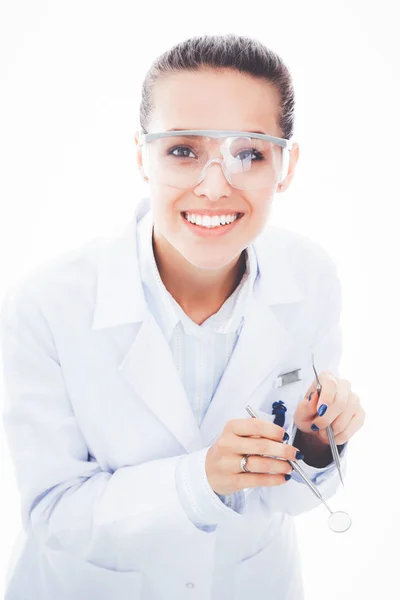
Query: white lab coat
x: 97, y: 421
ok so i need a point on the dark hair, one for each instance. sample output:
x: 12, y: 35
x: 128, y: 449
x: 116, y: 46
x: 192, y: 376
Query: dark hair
x: 230, y: 51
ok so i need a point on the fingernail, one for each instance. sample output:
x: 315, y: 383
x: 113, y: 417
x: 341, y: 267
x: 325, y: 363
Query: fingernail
x: 286, y: 437
x: 314, y: 427
x: 322, y: 409
x: 309, y: 396
x: 299, y: 455
x: 287, y: 476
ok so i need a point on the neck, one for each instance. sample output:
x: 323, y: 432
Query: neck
x: 200, y: 292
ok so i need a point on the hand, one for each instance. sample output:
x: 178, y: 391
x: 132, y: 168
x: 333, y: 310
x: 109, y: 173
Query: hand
x: 223, y: 457
x: 344, y: 412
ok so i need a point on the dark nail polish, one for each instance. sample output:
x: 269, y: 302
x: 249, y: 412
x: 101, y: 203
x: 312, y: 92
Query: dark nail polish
x: 309, y: 396
x: 322, y: 409
x: 314, y: 427
x: 299, y: 455
x: 286, y: 437
x: 287, y: 476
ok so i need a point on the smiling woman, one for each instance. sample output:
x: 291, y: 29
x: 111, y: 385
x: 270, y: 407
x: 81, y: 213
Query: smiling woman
x: 128, y: 364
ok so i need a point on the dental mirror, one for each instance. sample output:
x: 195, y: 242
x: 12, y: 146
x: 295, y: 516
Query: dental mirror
x: 339, y: 521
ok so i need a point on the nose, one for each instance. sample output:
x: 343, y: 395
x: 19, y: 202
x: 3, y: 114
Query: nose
x: 214, y: 181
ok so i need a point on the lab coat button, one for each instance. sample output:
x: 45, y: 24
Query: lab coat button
x: 190, y: 584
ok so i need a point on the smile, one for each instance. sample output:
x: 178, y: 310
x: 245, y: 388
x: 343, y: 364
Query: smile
x: 205, y: 226
x: 211, y: 222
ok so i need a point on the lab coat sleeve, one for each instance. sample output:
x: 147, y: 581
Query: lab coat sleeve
x: 235, y: 501
x: 67, y: 500
x: 294, y: 497
x: 201, y: 503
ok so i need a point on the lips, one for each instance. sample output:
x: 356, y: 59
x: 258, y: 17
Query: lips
x: 211, y: 232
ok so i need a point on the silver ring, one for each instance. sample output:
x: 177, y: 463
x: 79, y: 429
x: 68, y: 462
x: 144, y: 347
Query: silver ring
x: 243, y: 464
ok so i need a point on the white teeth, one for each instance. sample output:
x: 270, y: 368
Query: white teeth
x: 210, y: 222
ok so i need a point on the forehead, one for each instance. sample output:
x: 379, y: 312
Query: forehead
x: 213, y: 99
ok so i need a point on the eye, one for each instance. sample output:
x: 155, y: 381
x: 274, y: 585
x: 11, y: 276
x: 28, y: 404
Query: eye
x: 183, y: 148
x: 258, y: 155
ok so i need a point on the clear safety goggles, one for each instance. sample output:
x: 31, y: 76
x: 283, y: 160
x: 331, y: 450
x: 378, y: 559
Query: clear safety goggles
x: 250, y: 161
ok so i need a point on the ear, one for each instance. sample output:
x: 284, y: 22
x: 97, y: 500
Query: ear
x: 139, y: 156
x: 294, y: 157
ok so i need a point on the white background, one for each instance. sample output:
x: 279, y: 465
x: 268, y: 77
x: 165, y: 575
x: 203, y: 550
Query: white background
x: 71, y: 75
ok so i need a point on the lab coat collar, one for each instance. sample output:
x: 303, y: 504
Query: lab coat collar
x: 148, y: 365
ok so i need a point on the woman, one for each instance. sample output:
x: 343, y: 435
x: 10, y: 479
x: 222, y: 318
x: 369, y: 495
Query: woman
x: 128, y: 363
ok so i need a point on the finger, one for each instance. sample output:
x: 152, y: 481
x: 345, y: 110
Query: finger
x: 355, y: 424
x: 325, y: 401
x: 265, y: 447
x: 259, y: 464
x: 252, y: 480
x: 342, y: 421
x: 332, y: 402
x: 258, y: 427
x: 323, y: 377
x: 306, y: 409
x: 338, y: 425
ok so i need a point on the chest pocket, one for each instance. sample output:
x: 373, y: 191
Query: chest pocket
x: 291, y: 391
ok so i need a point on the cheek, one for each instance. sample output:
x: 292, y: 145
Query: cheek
x: 163, y: 202
x: 260, y: 208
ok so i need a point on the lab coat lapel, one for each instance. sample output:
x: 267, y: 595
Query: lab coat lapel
x: 151, y: 372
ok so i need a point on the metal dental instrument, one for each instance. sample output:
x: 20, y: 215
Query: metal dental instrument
x: 297, y: 468
x: 338, y: 521
x: 331, y: 438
